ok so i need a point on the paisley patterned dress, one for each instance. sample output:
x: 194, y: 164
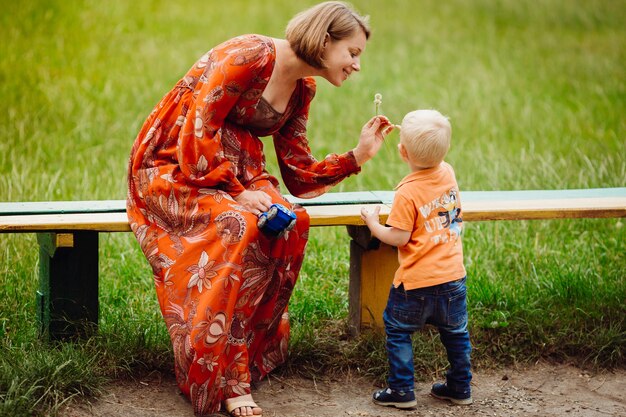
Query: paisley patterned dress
x: 222, y: 285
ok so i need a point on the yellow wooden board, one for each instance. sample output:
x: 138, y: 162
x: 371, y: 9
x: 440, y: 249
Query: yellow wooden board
x: 100, y: 222
x: 377, y: 271
x: 603, y: 207
x: 343, y: 215
x: 349, y: 214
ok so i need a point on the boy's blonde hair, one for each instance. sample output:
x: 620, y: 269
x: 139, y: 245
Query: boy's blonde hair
x: 426, y: 135
x: 307, y: 30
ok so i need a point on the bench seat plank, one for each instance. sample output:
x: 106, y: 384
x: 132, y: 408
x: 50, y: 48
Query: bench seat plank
x: 97, y: 222
x: 62, y: 207
x: 326, y: 210
x: 118, y: 222
x: 605, y: 207
x: 338, y: 198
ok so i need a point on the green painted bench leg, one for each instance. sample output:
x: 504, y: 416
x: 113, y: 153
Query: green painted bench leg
x: 67, y: 299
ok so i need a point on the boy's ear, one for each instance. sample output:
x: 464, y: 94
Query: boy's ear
x: 402, y: 151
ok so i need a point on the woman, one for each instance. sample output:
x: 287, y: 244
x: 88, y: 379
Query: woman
x: 197, y: 182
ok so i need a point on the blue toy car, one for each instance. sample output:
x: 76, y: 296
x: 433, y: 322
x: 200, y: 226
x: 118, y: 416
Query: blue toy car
x: 277, y: 220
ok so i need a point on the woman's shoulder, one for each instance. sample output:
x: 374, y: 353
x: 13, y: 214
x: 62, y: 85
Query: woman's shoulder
x: 308, y: 88
x: 251, y: 40
x: 309, y: 83
x: 245, y: 49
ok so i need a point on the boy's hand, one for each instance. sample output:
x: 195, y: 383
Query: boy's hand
x: 370, y: 217
x: 389, y: 235
x: 371, y: 139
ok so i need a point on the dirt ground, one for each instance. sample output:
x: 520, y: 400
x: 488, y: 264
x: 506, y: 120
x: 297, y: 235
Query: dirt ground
x: 541, y: 390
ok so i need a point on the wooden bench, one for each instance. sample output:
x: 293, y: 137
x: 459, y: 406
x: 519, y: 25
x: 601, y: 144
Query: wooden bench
x: 67, y: 232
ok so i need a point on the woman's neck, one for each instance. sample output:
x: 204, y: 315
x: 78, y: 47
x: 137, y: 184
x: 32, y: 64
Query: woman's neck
x: 289, y: 66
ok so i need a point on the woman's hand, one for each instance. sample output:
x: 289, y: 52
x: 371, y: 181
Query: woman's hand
x: 372, y: 137
x: 255, y: 201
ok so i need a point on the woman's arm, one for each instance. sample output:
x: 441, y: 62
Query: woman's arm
x: 308, y: 177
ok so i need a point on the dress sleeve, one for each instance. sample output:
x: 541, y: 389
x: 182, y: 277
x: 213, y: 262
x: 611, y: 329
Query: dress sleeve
x: 305, y: 176
x: 225, y: 74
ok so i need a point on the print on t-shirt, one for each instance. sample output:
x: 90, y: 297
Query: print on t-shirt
x: 444, y: 225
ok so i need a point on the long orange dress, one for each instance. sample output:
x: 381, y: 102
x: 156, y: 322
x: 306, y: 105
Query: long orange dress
x: 223, y: 286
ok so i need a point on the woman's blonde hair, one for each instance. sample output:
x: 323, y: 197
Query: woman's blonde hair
x: 306, y: 32
x: 426, y: 136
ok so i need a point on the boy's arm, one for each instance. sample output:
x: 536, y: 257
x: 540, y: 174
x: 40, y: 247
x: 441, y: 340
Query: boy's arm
x: 389, y: 235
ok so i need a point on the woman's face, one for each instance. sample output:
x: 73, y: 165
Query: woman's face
x: 342, y: 57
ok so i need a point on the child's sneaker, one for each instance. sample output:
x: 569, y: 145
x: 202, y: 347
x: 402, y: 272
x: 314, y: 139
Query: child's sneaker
x: 441, y: 391
x: 391, y: 398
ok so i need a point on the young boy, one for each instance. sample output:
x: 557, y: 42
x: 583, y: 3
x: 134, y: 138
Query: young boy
x: 429, y: 286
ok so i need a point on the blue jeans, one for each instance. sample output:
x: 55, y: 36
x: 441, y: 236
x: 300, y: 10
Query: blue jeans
x: 445, y: 307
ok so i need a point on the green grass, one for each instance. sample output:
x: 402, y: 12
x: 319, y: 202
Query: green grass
x: 536, y: 92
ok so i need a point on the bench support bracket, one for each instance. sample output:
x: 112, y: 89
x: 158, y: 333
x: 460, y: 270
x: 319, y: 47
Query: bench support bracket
x: 67, y: 299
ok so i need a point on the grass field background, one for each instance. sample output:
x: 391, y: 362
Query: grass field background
x: 536, y: 93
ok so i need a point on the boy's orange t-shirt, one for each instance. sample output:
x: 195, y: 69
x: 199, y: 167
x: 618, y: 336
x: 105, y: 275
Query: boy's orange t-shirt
x: 428, y: 203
